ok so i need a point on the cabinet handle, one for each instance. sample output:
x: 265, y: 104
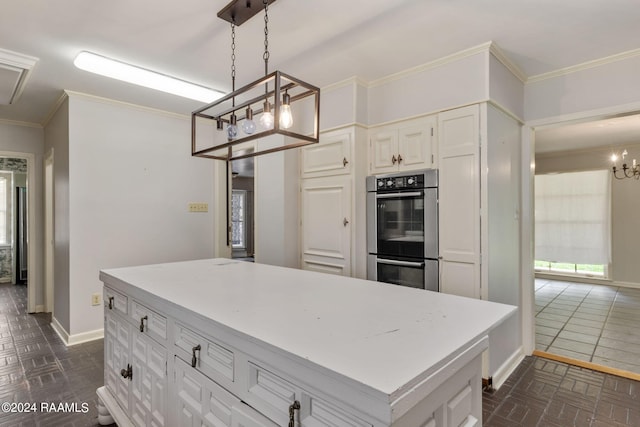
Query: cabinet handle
x: 399, y: 158
x: 194, y: 358
x: 345, y: 162
x: 127, y: 373
x: 292, y: 408
x: 142, y: 319
x: 110, y: 303
x: 393, y: 159
x: 345, y: 222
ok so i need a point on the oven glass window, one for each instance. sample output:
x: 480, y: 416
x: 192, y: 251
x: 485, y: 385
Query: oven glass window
x: 401, y: 275
x: 401, y: 226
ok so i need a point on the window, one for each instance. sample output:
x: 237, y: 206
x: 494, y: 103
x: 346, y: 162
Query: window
x: 573, y: 222
x: 238, y: 219
x: 5, y: 207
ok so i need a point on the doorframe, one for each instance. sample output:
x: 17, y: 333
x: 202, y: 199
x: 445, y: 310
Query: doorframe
x: 528, y: 206
x: 32, y: 282
x: 49, y: 227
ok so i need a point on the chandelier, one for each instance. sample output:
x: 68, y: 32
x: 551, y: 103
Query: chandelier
x: 282, y: 104
x: 626, y: 172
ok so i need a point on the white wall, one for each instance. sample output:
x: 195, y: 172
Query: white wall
x: 57, y: 138
x: 505, y: 89
x: 276, y: 206
x: 613, y: 84
x: 131, y: 177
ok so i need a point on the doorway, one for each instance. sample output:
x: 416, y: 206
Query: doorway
x: 588, y: 316
x: 242, y: 209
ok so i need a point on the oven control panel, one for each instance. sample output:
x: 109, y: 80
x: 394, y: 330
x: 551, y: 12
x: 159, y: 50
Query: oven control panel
x: 400, y: 182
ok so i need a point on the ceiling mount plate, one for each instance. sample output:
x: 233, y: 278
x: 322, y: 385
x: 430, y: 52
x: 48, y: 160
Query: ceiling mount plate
x: 240, y: 11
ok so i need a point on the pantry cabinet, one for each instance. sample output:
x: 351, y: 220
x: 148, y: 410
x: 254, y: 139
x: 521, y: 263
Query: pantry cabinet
x: 408, y: 145
x: 332, y: 198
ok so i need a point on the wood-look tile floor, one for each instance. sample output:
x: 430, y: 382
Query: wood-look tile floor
x: 593, y: 323
x: 36, y: 367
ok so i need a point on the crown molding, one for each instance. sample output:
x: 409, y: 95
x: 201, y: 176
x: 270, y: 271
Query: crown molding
x: 585, y: 66
x: 499, y: 54
x: 54, y: 109
x: 353, y: 80
x: 20, y: 123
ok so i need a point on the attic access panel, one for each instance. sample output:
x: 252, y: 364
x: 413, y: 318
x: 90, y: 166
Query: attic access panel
x: 14, y: 71
x: 240, y: 11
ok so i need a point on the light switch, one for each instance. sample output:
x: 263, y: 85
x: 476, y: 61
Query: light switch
x: 198, y: 207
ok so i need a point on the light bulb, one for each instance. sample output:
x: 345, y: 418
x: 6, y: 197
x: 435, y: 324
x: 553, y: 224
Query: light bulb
x: 248, y: 125
x: 232, y: 128
x: 286, y: 118
x: 266, y: 119
x: 614, y: 158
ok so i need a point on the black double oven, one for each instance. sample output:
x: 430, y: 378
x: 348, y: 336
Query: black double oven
x: 402, y: 229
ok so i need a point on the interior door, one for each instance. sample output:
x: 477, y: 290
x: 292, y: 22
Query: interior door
x: 326, y: 225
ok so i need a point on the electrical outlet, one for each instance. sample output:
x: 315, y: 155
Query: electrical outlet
x: 95, y: 299
x: 198, y: 207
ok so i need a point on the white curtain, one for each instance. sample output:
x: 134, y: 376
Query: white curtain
x: 573, y: 217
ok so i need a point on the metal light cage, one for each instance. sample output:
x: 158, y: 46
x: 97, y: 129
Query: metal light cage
x: 208, y: 124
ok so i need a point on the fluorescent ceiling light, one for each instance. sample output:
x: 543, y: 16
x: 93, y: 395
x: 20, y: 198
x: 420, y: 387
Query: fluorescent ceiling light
x: 139, y: 76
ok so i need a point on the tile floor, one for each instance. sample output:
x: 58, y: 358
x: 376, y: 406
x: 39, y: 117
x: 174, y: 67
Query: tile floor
x: 594, y: 323
x: 36, y: 367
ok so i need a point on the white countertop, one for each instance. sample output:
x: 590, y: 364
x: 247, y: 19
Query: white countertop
x: 381, y: 335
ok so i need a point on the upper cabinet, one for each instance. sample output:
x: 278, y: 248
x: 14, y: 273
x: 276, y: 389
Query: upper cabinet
x: 407, y: 145
x: 332, y: 156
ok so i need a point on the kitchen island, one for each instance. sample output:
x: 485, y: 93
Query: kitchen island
x: 222, y: 342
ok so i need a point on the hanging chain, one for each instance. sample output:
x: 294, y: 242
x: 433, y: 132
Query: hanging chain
x: 233, y: 60
x: 265, y: 55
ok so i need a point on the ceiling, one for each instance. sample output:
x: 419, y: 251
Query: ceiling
x: 321, y: 42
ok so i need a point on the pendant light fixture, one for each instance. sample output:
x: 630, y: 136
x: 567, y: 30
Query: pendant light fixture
x: 284, y: 105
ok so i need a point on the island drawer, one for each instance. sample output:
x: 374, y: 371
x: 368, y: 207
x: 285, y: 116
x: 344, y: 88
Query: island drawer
x: 205, y: 355
x: 148, y: 321
x: 272, y: 395
x: 115, y: 301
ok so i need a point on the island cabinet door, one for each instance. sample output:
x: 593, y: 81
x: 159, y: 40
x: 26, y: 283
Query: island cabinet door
x: 117, y: 342
x: 149, y: 382
x: 199, y: 401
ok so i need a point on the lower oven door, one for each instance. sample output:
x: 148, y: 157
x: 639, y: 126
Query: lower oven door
x: 421, y: 274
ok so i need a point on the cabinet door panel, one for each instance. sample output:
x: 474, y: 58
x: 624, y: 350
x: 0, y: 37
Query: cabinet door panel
x: 414, y: 147
x: 326, y: 223
x: 384, y: 149
x: 459, y: 200
x: 329, y: 157
x: 117, y: 344
x: 149, y: 383
x: 200, y: 401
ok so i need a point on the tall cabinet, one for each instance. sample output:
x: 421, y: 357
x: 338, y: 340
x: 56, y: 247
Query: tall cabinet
x: 479, y: 207
x: 332, y: 203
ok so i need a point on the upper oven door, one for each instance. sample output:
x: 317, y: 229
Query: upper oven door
x: 403, y: 223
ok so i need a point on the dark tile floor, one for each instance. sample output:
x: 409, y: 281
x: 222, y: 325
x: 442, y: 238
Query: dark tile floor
x: 36, y: 367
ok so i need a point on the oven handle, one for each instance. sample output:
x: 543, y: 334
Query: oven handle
x: 401, y: 263
x: 399, y: 194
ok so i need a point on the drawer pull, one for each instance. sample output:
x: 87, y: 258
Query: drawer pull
x: 142, y: 319
x: 399, y: 158
x: 393, y: 159
x: 110, y: 303
x: 292, y: 408
x: 345, y: 162
x: 127, y: 373
x: 194, y: 358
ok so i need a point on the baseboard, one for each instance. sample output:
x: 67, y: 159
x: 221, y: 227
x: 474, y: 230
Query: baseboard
x: 502, y: 373
x: 70, y: 340
x: 5, y: 280
x: 627, y: 284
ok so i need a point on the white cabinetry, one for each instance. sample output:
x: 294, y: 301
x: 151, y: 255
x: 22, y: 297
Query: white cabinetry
x: 479, y: 158
x: 408, y: 145
x: 234, y: 357
x: 332, y: 203
x: 135, y: 364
